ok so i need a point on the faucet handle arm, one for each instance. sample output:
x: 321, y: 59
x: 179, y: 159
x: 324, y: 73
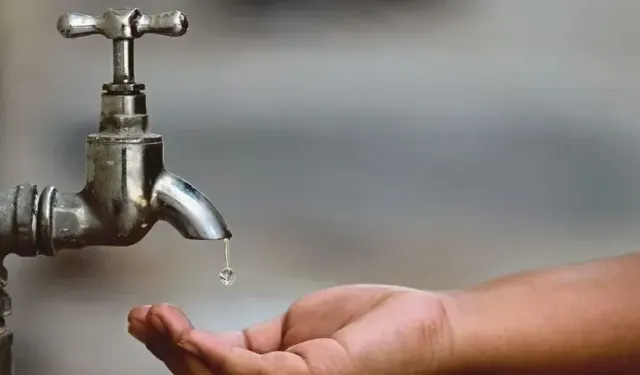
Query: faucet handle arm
x: 123, y: 24
x: 173, y: 23
x: 75, y: 25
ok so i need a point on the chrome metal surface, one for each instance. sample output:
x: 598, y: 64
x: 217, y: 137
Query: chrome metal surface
x: 118, y: 24
x: 127, y: 187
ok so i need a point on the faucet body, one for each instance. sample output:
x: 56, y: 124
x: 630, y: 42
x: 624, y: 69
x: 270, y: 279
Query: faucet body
x: 127, y: 191
x: 127, y: 187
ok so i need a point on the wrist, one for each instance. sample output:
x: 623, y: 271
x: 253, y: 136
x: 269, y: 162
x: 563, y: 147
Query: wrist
x: 490, y: 335
x: 456, y: 343
x: 444, y: 335
x: 468, y: 321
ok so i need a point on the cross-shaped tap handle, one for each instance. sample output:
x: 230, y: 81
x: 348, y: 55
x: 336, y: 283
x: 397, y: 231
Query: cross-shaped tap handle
x: 123, y: 26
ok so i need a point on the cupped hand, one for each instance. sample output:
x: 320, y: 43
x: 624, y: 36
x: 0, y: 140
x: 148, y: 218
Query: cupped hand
x: 362, y: 329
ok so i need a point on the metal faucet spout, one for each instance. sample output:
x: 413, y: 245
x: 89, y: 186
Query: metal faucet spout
x: 187, y: 209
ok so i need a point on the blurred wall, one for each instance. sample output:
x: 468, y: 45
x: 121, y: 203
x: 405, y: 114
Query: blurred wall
x: 428, y: 143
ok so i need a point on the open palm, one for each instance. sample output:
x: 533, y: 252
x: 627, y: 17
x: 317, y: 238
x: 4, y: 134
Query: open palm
x: 361, y: 329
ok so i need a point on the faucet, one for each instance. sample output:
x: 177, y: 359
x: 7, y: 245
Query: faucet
x: 127, y: 188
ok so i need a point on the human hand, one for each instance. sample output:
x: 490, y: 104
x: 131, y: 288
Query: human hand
x: 362, y: 329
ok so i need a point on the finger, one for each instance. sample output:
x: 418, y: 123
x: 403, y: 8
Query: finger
x: 170, y: 320
x: 159, y: 343
x: 137, y: 323
x: 159, y: 346
x: 236, y: 360
x: 139, y: 330
x: 172, y: 324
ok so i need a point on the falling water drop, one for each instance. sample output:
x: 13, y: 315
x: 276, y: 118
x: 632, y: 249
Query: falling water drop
x: 227, y: 276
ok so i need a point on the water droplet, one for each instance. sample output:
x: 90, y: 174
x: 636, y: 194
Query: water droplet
x: 144, y: 225
x: 227, y: 277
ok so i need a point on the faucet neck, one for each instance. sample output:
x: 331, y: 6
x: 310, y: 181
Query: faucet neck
x: 124, y: 113
x: 124, y: 105
x: 123, y: 66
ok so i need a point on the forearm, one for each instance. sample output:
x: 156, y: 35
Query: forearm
x: 573, y: 320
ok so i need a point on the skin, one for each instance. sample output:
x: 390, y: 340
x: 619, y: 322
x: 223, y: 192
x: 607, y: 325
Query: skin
x: 580, y: 319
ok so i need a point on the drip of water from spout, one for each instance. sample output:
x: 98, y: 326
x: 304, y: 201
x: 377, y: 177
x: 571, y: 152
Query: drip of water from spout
x: 227, y: 276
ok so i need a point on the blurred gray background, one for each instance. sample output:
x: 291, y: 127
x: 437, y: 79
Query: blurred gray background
x: 433, y: 144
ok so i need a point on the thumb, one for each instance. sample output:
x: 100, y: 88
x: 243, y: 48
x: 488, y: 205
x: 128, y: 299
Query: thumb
x: 235, y: 360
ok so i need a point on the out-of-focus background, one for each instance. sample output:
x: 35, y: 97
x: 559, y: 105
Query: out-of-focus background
x: 433, y: 144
